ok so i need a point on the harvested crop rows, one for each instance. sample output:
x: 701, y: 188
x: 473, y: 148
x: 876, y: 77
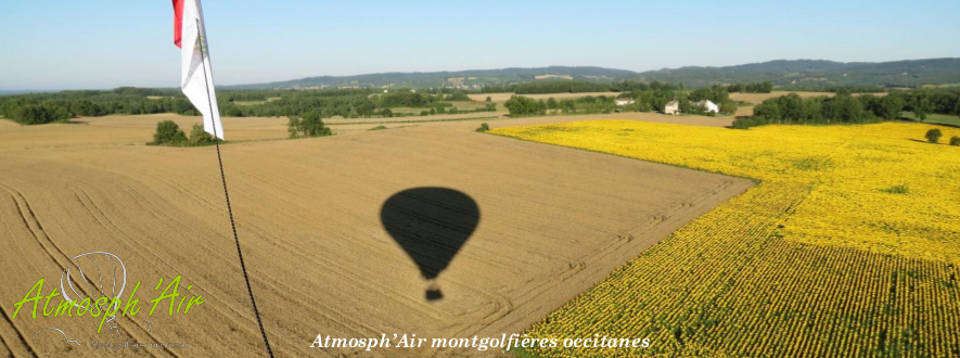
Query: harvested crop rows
x: 553, y: 222
x: 822, y: 258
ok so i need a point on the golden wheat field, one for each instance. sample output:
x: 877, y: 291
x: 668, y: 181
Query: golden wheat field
x: 552, y: 222
x: 848, y: 246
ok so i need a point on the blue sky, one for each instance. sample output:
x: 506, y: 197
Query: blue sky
x: 50, y: 44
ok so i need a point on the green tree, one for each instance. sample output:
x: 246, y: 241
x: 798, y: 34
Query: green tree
x: 728, y: 106
x: 522, y: 106
x: 890, y: 107
x: 198, y: 136
x: 716, y: 94
x: 293, y: 127
x: 168, y: 133
x: 759, y: 87
x: 40, y: 113
x: 848, y: 109
x: 551, y: 103
x: 922, y: 108
x: 933, y: 135
x: 307, y: 125
x: 85, y: 108
x: 458, y: 96
x: 955, y: 141
x: 791, y: 107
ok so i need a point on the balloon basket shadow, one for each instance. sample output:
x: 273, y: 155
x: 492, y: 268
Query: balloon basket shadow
x: 433, y: 292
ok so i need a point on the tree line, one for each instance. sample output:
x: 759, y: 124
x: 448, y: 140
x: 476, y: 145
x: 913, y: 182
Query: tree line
x: 578, y: 87
x: 846, y: 108
x: 40, y: 108
x: 754, y: 87
x: 619, y: 86
x: 657, y: 99
x: 526, y: 106
x: 643, y: 100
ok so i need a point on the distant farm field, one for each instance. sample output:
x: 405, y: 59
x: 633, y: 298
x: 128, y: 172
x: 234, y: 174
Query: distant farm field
x: 848, y: 246
x: 503, y: 97
x: 756, y: 98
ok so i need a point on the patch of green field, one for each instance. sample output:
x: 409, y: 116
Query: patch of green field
x: 469, y: 106
x: 935, y: 118
x: 413, y: 111
x: 250, y: 103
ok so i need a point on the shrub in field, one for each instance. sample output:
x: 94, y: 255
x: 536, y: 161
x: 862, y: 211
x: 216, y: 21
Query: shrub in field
x: 758, y: 87
x: 200, y: 137
x: 380, y: 127
x: 483, y: 127
x: 955, y: 141
x: 524, y: 106
x: 307, y: 125
x: 457, y: 96
x: 168, y: 133
x: 747, y: 122
x: 728, y: 106
x: 921, y: 108
x: 933, y: 135
x: 293, y: 124
x: 39, y: 113
x: 896, y: 189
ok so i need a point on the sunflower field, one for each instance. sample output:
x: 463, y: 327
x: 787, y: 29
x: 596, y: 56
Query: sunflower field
x: 849, y: 245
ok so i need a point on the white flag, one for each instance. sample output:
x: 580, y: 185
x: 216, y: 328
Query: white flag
x: 196, y: 79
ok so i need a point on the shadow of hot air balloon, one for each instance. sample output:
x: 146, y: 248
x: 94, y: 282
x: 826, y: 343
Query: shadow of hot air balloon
x: 431, y: 224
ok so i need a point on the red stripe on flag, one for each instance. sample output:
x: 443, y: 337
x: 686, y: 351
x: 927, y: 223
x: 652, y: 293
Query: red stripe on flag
x: 177, y: 21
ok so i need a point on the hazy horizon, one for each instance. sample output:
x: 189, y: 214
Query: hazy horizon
x: 175, y: 86
x: 111, y: 43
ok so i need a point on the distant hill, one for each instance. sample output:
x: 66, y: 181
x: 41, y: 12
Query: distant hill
x: 783, y: 73
x: 13, y: 92
x: 817, y: 73
x: 457, y: 79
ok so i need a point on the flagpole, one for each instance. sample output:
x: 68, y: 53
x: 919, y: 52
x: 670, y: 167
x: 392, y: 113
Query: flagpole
x: 223, y: 179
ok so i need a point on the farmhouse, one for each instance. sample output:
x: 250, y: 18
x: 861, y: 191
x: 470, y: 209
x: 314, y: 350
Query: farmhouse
x: 708, y: 106
x: 623, y: 101
x: 672, y: 107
